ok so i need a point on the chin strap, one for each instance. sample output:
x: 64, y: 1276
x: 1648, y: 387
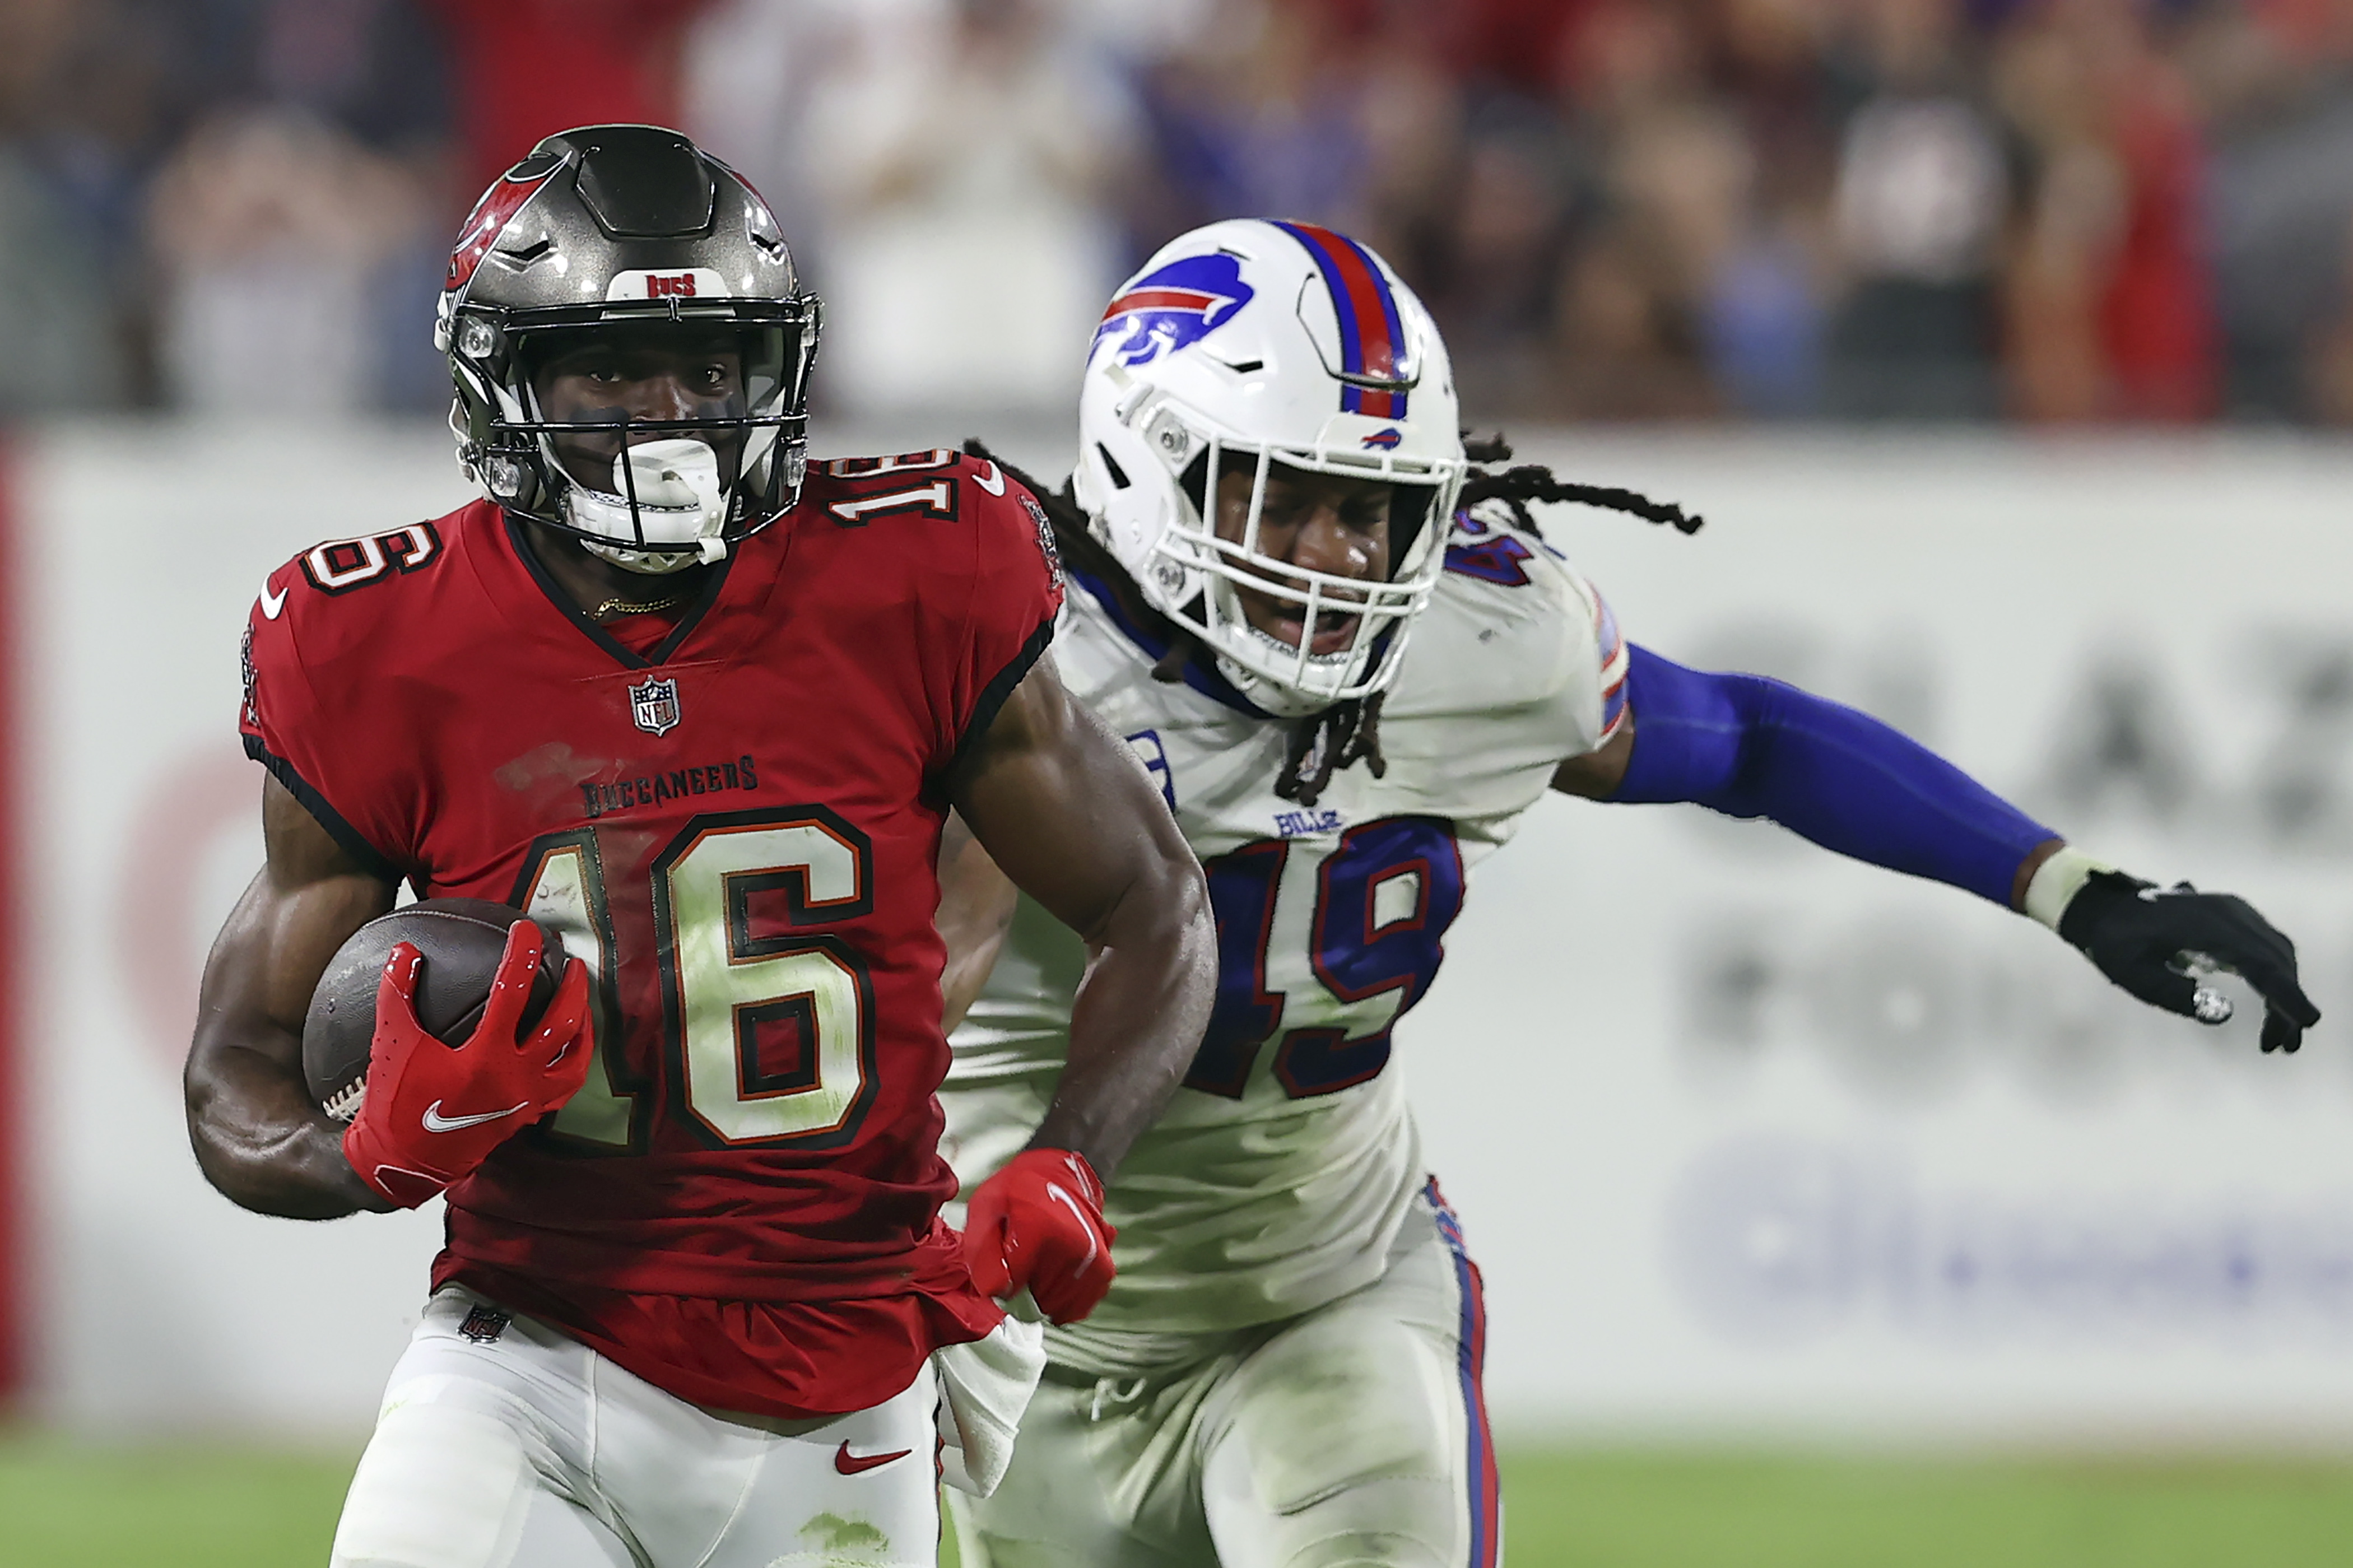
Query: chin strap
x: 656, y: 563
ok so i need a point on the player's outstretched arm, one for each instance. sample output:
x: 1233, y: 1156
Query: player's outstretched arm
x: 257, y: 1136
x: 1055, y: 799
x: 1747, y: 746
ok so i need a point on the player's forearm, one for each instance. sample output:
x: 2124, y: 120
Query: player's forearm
x: 1136, y: 1020
x: 1750, y: 747
x: 262, y: 1144
x: 976, y: 911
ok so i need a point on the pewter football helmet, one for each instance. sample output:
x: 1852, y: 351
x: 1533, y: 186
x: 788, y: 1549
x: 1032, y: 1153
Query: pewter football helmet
x: 623, y: 225
x: 1286, y: 344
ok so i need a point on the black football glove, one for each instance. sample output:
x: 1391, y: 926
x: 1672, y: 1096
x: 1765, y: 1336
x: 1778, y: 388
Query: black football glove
x: 2157, y: 942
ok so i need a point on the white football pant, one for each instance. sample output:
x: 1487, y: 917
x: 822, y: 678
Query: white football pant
x: 517, y: 1446
x: 1351, y: 1436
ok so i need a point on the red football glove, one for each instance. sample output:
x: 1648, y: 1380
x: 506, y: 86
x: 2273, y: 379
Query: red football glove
x: 1040, y: 1223
x: 434, y: 1110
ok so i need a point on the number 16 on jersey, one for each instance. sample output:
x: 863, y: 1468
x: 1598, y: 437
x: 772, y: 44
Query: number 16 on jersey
x: 728, y: 987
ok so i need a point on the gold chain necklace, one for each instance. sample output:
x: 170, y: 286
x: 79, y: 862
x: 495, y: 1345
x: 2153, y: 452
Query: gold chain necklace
x: 620, y: 607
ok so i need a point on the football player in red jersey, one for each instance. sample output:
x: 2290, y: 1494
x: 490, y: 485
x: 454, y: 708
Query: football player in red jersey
x: 705, y: 714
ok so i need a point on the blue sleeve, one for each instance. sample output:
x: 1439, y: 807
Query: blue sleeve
x: 1747, y: 746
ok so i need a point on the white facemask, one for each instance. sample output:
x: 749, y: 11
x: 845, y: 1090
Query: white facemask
x: 679, y: 500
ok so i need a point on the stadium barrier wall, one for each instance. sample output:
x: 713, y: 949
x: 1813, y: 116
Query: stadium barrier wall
x: 1750, y: 1141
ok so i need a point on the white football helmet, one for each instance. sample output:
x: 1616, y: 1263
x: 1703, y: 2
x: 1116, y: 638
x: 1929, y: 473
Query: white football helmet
x: 1290, y: 345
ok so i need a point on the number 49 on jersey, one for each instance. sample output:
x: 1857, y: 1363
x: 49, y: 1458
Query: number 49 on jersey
x: 1377, y: 902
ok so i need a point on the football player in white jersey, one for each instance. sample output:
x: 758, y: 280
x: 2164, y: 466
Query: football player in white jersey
x: 1348, y: 691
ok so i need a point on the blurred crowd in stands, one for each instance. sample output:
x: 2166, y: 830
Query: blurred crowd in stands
x: 2037, y: 210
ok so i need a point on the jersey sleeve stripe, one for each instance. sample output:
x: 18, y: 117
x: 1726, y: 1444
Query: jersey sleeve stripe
x: 1606, y: 633
x: 993, y: 696
x: 1611, y: 645
x: 371, y: 859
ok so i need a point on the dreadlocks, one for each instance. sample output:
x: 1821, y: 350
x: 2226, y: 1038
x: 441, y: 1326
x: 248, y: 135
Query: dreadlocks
x: 1516, y: 488
x: 1346, y: 733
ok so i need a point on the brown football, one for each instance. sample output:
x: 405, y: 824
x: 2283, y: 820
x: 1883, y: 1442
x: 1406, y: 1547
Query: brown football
x: 462, y: 940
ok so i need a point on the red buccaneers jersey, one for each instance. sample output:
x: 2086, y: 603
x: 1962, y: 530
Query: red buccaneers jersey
x: 736, y: 832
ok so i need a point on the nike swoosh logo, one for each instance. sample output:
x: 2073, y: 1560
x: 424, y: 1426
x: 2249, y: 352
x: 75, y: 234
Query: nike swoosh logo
x: 272, y: 605
x: 850, y: 1464
x: 994, y: 473
x: 1054, y: 1191
x: 437, y: 1123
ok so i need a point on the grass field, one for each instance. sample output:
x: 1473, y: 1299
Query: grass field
x: 66, y: 1505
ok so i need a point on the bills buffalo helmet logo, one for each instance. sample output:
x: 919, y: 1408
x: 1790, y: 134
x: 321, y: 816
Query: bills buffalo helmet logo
x: 654, y: 705
x: 1175, y: 306
x: 1386, y: 441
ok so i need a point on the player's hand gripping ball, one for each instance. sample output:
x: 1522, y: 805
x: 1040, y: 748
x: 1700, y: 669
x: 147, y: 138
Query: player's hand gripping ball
x: 463, y: 940
x: 2159, y: 943
x: 1038, y: 1223
x: 461, y: 1053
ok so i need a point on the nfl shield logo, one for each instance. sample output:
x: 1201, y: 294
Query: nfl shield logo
x: 484, y: 1325
x: 654, y: 705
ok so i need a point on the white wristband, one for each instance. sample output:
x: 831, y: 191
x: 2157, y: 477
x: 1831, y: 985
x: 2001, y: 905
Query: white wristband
x: 2057, y: 881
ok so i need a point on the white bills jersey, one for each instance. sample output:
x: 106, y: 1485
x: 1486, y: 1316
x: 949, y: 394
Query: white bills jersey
x: 1277, y: 1178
